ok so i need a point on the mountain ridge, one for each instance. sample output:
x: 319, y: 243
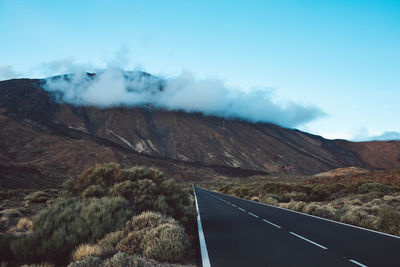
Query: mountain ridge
x: 187, y: 145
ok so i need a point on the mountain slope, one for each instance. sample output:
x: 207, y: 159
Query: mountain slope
x: 39, y: 131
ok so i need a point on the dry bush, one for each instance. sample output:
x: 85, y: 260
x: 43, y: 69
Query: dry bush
x: 324, y: 211
x: 91, y: 261
x: 132, y: 244
x: 389, y: 220
x: 271, y: 201
x: 147, y: 219
x: 310, y: 208
x: 93, y: 191
x: 354, y: 215
x: 356, y: 202
x: 37, y: 197
x: 283, y: 205
x: 376, y: 201
x: 388, y: 198
x: 256, y: 199
x: 23, y: 225
x: 126, y: 260
x: 111, y: 240
x: 299, y: 206
x: 84, y: 251
x: 291, y: 204
x: 167, y: 242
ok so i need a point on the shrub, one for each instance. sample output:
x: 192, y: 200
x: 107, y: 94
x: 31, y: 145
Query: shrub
x: 310, y: 208
x: 297, y: 196
x: 299, y: 206
x: 124, y: 259
x: 324, y: 211
x: 93, y: 191
x: 91, y: 261
x: 319, y: 193
x: 43, y: 264
x: 84, y: 251
x: 5, y: 251
x: 147, y: 219
x: 389, y: 220
x: 389, y: 198
x: 23, y: 225
x: 353, y: 215
x: 69, y: 223
x: 132, y: 244
x: 102, y: 175
x: 144, y: 188
x: 37, y: 197
x: 372, y: 187
x: 271, y: 201
x: 111, y: 240
x: 167, y: 242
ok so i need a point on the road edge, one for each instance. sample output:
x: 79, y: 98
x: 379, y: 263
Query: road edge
x: 205, y: 260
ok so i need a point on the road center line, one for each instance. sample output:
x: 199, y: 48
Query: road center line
x: 308, y: 240
x: 234, y: 205
x: 252, y: 214
x: 241, y: 209
x: 272, y: 223
x: 359, y: 264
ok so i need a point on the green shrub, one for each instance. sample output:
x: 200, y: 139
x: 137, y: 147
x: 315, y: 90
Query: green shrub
x: 126, y: 260
x: 132, y: 244
x: 389, y: 220
x: 37, y: 197
x: 5, y: 251
x: 372, y: 187
x: 319, y: 193
x: 68, y: 223
x: 92, y: 261
x: 167, y: 242
x: 148, y: 219
x: 144, y: 188
x: 102, y: 175
x: 93, y: 191
x: 111, y: 240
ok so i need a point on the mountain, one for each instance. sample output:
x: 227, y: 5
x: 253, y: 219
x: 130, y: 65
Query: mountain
x: 61, y: 139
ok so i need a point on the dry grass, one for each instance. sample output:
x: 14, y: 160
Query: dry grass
x: 24, y: 225
x: 86, y: 250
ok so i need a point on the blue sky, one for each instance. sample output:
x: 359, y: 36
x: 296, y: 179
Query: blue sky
x: 342, y: 56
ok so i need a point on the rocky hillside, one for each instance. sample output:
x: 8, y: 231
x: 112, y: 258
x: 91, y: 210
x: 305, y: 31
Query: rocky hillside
x: 60, y: 138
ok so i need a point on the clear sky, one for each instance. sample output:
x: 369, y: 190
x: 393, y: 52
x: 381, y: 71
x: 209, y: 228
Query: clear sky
x: 342, y: 56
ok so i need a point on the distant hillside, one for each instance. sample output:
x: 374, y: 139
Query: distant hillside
x: 63, y: 139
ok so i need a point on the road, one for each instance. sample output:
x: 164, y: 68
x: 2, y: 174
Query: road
x: 239, y: 232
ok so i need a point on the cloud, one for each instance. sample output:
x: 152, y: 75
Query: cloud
x: 114, y: 87
x: 391, y: 135
x: 7, y: 72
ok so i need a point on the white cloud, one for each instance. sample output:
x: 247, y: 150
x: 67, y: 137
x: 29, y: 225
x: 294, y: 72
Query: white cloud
x: 114, y: 87
x: 7, y: 72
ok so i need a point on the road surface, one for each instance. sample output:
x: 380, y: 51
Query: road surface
x: 239, y: 232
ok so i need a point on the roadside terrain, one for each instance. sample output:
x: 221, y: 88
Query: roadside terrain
x: 369, y: 199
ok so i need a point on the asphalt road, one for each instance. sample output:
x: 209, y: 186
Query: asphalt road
x: 244, y: 233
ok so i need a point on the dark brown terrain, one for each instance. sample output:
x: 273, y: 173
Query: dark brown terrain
x: 41, y: 138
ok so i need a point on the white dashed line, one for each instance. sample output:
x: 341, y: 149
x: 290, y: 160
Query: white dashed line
x: 308, y: 240
x: 272, y: 223
x: 252, y: 214
x: 359, y: 264
x: 241, y: 209
x: 234, y: 205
